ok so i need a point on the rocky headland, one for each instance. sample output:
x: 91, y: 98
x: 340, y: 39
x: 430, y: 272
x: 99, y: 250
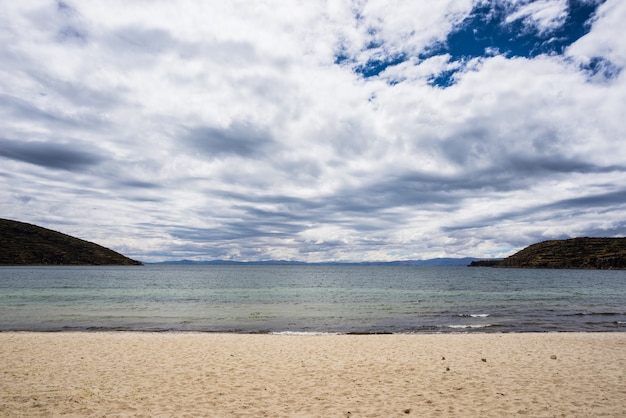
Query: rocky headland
x: 26, y: 244
x: 575, y: 253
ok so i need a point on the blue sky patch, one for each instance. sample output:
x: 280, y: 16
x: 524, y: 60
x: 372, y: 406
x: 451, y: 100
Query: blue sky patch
x: 489, y: 30
x: 486, y: 32
x: 374, y: 67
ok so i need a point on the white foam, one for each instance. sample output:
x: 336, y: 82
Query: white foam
x: 469, y: 326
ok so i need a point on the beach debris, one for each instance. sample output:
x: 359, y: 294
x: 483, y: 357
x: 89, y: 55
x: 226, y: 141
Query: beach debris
x: 553, y: 356
x: 484, y: 360
x: 447, y: 369
x: 407, y: 411
x: 443, y: 358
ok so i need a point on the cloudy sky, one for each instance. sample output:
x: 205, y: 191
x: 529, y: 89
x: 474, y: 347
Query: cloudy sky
x: 314, y: 130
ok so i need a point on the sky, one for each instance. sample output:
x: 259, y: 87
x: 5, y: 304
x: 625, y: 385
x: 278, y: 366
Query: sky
x: 314, y: 130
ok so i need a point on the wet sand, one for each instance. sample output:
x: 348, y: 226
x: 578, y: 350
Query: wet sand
x: 225, y: 375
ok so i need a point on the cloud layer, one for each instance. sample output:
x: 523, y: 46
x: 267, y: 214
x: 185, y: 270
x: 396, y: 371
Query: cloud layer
x: 314, y: 130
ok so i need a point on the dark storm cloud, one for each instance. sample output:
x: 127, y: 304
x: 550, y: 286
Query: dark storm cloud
x: 274, y: 217
x: 231, y: 231
x: 253, y: 198
x: 609, y: 202
x: 256, y: 222
x: 240, y: 139
x: 594, y: 201
x: 486, y: 161
x: 539, y: 166
x: 140, y: 184
x: 412, y: 189
x: 287, y: 216
x: 353, y: 207
x: 520, y: 172
x: 348, y: 207
x: 438, y: 192
x: 51, y: 155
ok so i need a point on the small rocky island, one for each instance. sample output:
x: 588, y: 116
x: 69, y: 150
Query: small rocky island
x: 575, y: 253
x: 26, y: 244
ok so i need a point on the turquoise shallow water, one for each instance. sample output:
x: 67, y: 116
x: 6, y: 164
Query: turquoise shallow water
x: 360, y: 299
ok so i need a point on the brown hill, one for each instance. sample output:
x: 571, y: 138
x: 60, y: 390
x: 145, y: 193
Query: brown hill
x: 25, y: 244
x: 575, y: 253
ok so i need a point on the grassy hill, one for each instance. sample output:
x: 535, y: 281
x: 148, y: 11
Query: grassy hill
x: 25, y: 244
x: 575, y: 253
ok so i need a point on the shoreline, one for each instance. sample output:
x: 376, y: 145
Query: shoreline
x: 469, y: 330
x: 124, y: 373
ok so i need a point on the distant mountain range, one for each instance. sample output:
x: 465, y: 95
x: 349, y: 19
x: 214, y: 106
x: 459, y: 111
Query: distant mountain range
x: 26, y: 244
x: 575, y: 253
x: 441, y: 262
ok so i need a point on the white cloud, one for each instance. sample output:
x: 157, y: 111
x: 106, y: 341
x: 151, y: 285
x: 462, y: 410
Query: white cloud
x: 604, y: 40
x: 543, y: 15
x: 194, y: 129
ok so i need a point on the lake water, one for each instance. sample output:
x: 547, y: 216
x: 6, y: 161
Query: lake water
x: 311, y: 299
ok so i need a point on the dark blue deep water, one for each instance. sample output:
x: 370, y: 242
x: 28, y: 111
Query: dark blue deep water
x: 311, y: 299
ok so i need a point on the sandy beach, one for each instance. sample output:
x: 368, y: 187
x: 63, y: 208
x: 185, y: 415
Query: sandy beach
x: 215, y: 375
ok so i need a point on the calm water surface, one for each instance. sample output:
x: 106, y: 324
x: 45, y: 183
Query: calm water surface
x: 325, y: 299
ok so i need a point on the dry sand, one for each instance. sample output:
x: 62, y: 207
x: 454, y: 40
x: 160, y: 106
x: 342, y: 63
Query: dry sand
x: 226, y: 375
